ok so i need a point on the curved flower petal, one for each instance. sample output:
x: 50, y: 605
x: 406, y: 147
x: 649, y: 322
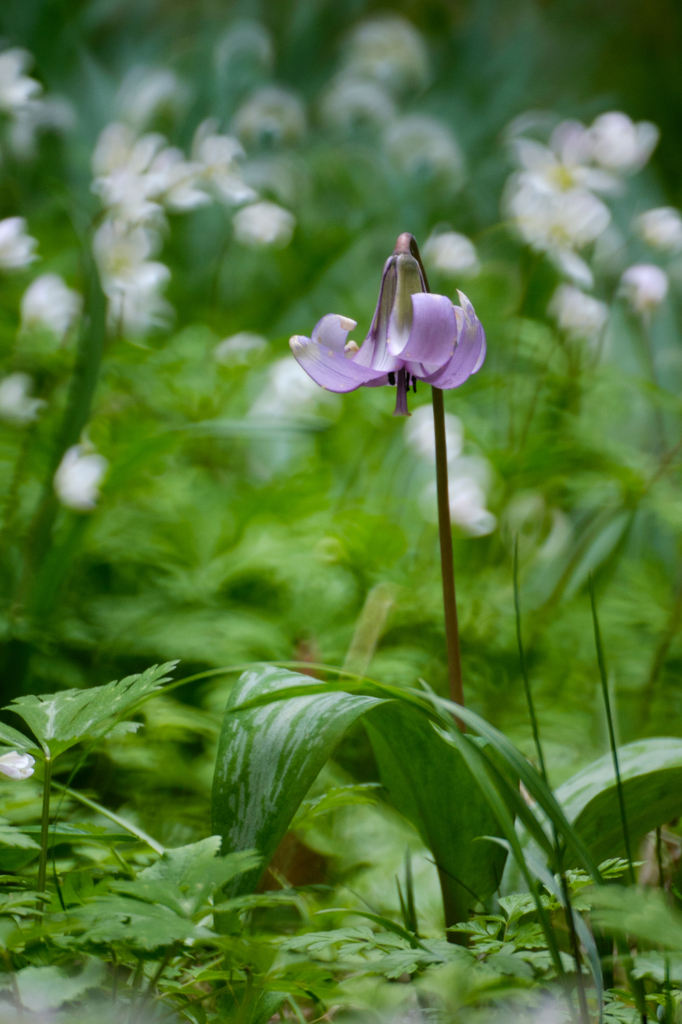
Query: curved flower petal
x: 330, y: 368
x: 332, y: 330
x: 469, y: 354
x: 433, y: 336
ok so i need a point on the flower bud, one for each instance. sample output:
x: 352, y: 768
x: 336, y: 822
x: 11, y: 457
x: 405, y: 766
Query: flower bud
x: 16, y: 766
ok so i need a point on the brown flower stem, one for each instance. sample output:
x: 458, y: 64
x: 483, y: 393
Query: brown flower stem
x: 446, y: 555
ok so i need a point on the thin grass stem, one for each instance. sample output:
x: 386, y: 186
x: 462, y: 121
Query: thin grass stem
x: 612, y: 735
x: 522, y: 659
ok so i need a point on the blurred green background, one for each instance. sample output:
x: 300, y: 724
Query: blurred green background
x: 245, y: 514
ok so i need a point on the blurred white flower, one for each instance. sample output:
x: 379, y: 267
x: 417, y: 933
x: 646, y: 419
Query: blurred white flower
x: 272, y: 116
x: 17, y: 249
x: 264, y: 224
x: 16, y: 405
x: 390, y: 50
x: 564, y: 164
x: 451, y: 254
x: 49, y: 303
x: 645, y: 286
x: 661, y: 228
x: 353, y: 103
x: 53, y: 113
x: 423, y: 147
x: 618, y: 144
x: 130, y: 280
x: 17, y: 766
x: 134, y: 177
x: 578, y: 314
x: 419, y: 435
x: 78, y: 478
x: 288, y: 392
x: 16, y: 88
x: 557, y: 223
x: 247, y: 39
x: 146, y: 91
x: 239, y: 349
x: 468, y: 481
x: 219, y: 157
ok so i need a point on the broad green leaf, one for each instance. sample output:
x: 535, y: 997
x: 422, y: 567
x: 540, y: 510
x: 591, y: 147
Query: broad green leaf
x: 59, y: 720
x: 183, y: 879
x: 48, y: 988
x: 651, y: 773
x: 642, y: 914
x: 431, y: 785
x: 269, y: 756
x: 310, y: 811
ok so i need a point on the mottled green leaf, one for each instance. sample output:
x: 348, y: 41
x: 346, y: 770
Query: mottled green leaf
x: 59, y: 720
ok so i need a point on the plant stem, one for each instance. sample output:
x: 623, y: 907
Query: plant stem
x: 446, y: 554
x: 575, y: 950
x: 612, y: 735
x: 44, y: 827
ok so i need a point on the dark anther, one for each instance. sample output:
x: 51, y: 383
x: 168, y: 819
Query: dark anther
x: 414, y: 385
x: 391, y: 379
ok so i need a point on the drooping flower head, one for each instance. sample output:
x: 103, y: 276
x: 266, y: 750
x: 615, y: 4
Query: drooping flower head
x: 414, y: 335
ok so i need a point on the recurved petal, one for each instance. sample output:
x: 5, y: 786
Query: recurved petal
x: 330, y: 368
x: 332, y: 330
x: 433, y: 336
x: 469, y: 354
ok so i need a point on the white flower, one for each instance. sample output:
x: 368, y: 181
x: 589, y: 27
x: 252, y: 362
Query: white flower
x: 467, y: 492
x: 422, y: 147
x: 17, y: 249
x: 135, y: 177
x: 49, y: 303
x: 244, y: 40
x: 579, y: 315
x: 145, y: 91
x: 78, y: 478
x: 54, y: 113
x: 16, y: 88
x: 264, y: 224
x: 219, y: 157
x: 645, y: 286
x: 16, y: 405
x: 390, y: 50
x: 288, y: 392
x: 239, y: 349
x: 420, y: 437
x: 130, y: 280
x: 661, y: 228
x: 355, y: 102
x: 619, y: 144
x: 564, y: 164
x: 16, y: 766
x: 272, y: 116
x: 452, y: 254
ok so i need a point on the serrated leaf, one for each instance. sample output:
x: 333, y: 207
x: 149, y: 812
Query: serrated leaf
x: 59, y: 720
x: 141, y: 925
x: 185, y: 878
x: 640, y: 913
x: 14, y: 837
x: 14, y: 739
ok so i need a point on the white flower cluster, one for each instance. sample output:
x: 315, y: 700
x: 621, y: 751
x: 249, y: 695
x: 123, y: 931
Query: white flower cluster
x: 385, y: 57
x: 469, y: 475
x: 139, y: 179
x: 553, y: 199
x: 22, y: 101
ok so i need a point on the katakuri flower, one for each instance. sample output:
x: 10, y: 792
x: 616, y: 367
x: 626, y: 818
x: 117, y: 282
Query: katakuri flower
x: 16, y: 766
x: 414, y: 336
